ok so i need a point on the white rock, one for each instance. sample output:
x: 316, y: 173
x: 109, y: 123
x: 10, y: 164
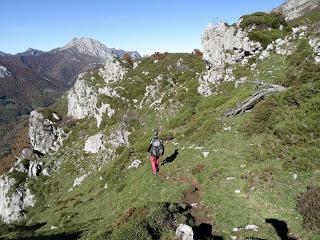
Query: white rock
x: 112, y: 71
x: 223, y: 44
x: 227, y: 128
x: 292, y: 9
x: 83, y: 99
x: 184, y: 232
x: 230, y: 178
x: 264, y: 54
x: 205, y: 154
x: 119, y: 137
x: 315, y: 44
x: 252, y: 227
x: 4, y: 72
x: 53, y: 227
x: 55, y: 116
x: 237, y: 191
x: 155, y: 61
x: 13, y: 202
x: 34, y: 168
x: 135, y: 65
x: 94, y: 144
x: 295, y: 176
x: 44, y: 135
x: 135, y: 164
x: 78, y: 181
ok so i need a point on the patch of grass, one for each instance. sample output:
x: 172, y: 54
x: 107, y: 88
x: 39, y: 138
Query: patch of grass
x: 150, y: 222
x: 19, y: 177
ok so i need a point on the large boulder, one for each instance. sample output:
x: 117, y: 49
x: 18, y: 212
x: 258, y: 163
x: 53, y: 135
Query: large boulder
x: 184, y: 232
x: 44, y: 134
x: 13, y: 202
x: 292, y: 9
x: 94, y: 144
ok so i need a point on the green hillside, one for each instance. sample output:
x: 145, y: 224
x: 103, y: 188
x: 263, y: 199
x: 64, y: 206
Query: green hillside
x: 261, y: 164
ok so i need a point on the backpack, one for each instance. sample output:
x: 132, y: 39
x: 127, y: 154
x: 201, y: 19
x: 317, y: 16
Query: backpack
x: 156, y: 148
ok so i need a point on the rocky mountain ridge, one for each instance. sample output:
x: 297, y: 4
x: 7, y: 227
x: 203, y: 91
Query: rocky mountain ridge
x: 293, y: 9
x: 36, y: 79
x: 86, y: 167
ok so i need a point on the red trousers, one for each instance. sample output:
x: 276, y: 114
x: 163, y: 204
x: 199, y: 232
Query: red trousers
x: 154, y: 163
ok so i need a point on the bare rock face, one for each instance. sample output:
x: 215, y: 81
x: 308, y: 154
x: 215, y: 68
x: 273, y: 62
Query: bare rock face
x: 315, y: 44
x: 218, y: 39
x: 13, y: 202
x: 44, y: 134
x: 223, y: 44
x: 83, y: 99
x: 94, y: 144
x: 296, y: 8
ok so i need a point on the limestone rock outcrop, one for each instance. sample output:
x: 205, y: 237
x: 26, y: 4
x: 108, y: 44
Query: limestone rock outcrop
x: 296, y: 8
x: 44, y: 134
x: 83, y: 99
x: 13, y: 202
x: 223, y: 44
x: 94, y: 144
x: 315, y: 44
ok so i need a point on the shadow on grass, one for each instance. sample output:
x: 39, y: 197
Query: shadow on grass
x: 23, y: 232
x: 60, y: 236
x: 204, y: 232
x: 281, y: 228
x: 171, y: 158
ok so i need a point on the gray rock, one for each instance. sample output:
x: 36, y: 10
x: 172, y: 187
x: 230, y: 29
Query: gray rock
x: 26, y: 153
x: 94, y: 144
x: 13, y: 202
x: 224, y: 44
x: 184, y: 232
x: 292, y: 9
x: 34, y: 168
x: 83, y: 99
x: 135, y: 164
x: 44, y: 135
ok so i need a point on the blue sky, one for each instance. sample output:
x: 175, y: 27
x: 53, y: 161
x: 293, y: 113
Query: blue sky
x: 145, y: 25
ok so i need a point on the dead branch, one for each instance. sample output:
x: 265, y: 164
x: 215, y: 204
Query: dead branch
x: 254, y: 99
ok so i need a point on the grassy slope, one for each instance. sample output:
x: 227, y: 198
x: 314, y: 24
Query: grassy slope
x: 262, y: 151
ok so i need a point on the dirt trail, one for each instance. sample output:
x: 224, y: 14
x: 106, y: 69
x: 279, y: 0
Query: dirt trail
x: 191, y: 197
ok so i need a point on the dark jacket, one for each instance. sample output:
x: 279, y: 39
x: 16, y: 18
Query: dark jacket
x: 150, y: 145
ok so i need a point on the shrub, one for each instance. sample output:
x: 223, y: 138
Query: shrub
x: 309, y: 207
x: 261, y: 115
x: 265, y: 37
x: 263, y: 20
x: 150, y: 222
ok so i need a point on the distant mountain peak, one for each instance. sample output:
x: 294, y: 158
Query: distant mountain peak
x: 3, y: 54
x: 30, y: 51
x: 92, y: 47
x: 88, y: 46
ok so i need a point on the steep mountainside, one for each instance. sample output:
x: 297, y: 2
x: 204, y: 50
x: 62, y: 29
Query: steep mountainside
x: 241, y: 133
x: 34, y: 78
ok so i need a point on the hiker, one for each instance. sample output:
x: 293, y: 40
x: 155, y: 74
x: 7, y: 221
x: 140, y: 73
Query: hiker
x: 156, y: 150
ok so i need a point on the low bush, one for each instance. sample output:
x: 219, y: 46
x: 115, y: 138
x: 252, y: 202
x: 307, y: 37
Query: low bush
x: 265, y: 37
x: 263, y: 20
x: 309, y: 207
